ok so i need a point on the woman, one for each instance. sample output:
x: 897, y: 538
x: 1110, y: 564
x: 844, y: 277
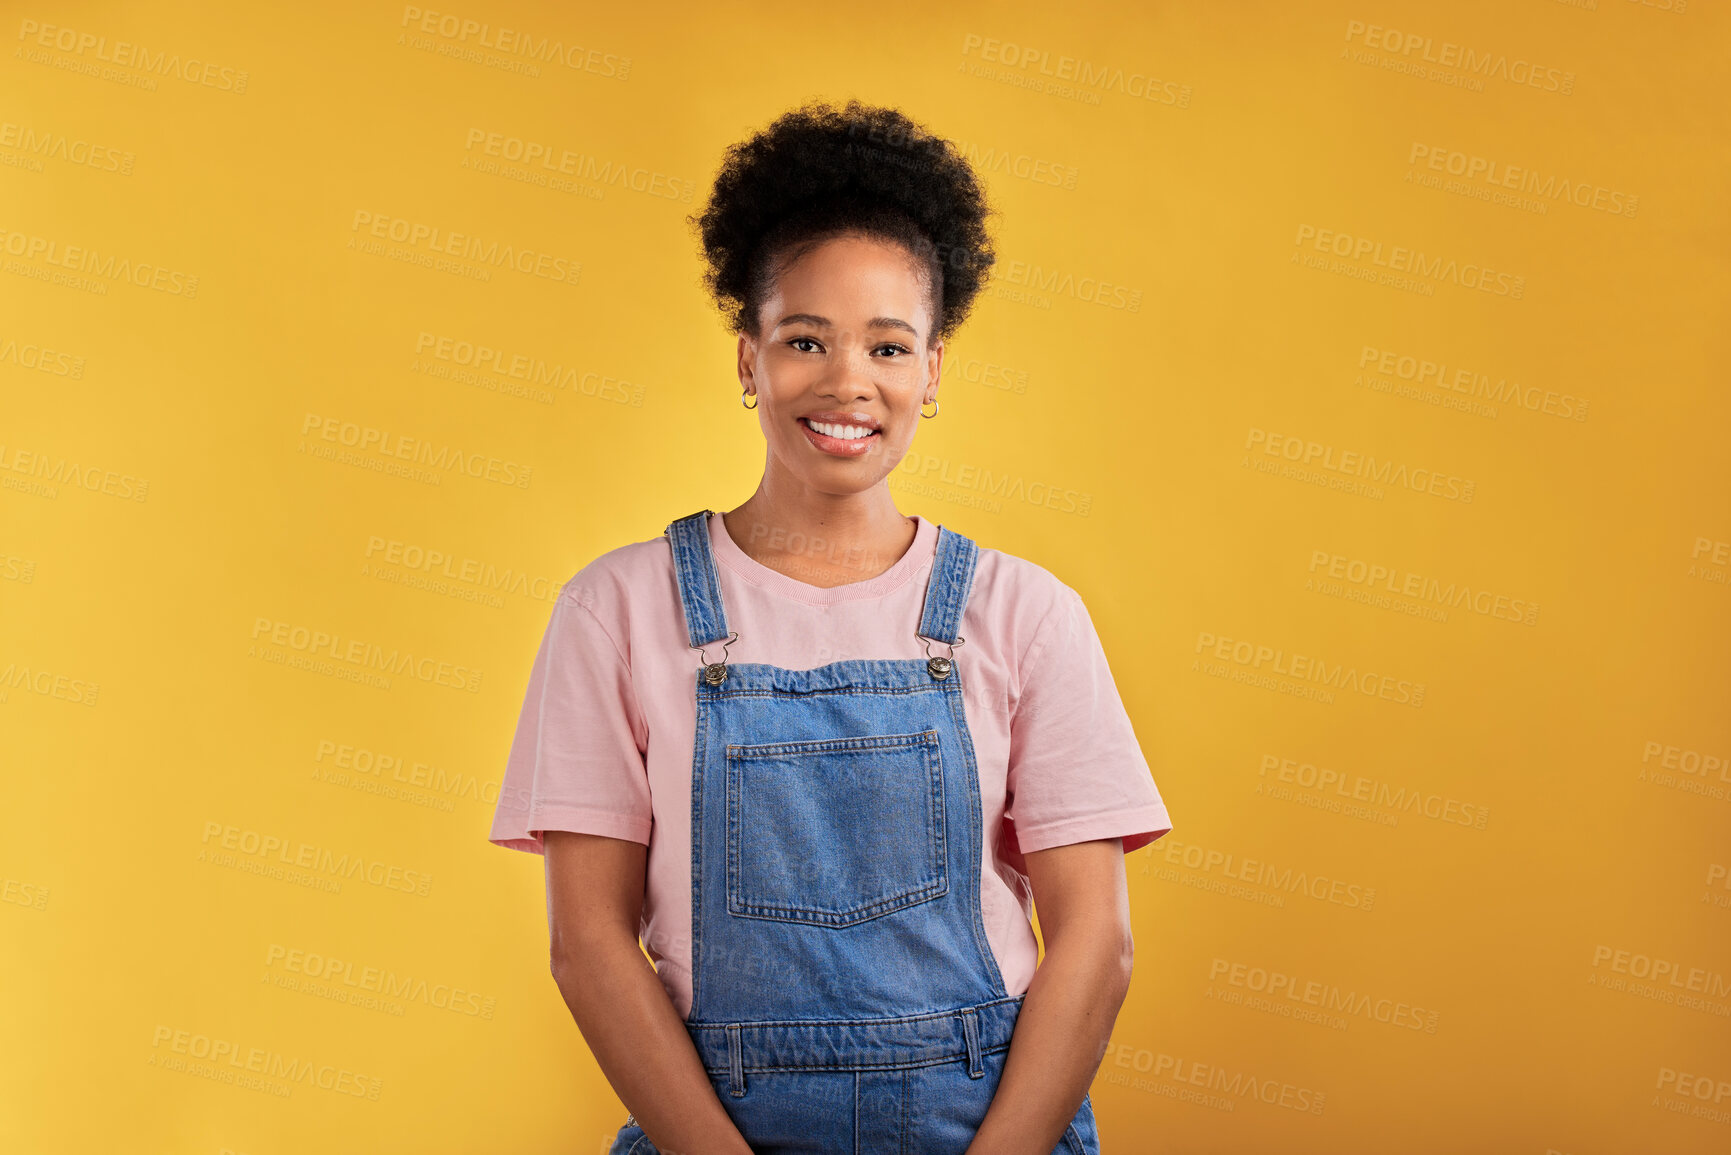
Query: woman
x: 752, y: 744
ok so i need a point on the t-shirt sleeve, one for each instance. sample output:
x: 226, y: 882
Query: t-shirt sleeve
x: 1076, y: 771
x: 576, y: 761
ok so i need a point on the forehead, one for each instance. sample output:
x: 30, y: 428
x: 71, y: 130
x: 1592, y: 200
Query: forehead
x: 854, y: 274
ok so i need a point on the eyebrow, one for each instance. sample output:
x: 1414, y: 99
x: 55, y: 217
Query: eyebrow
x: 824, y: 322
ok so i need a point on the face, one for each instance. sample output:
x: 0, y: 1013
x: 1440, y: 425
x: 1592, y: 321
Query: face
x: 840, y: 364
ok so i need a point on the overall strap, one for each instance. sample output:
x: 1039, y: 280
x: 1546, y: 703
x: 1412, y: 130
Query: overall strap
x: 699, y: 581
x: 947, y: 589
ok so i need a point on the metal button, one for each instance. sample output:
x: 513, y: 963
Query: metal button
x: 714, y: 672
x: 939, y: 667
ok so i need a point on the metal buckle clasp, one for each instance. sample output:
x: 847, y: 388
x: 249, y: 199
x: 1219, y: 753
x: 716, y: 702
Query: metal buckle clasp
x: 939, y: 665
x: 715, y: 672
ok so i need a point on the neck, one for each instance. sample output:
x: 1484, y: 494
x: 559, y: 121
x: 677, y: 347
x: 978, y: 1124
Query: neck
x: 822, y: 539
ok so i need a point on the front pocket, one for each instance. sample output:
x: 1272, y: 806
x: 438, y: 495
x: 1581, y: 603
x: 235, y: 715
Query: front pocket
x: 836, y: 831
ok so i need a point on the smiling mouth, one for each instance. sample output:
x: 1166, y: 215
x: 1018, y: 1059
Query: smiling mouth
x: 840, y: 439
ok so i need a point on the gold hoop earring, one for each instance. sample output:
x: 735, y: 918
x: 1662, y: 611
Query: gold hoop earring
x: 753, y: 397
x: 933, y: 413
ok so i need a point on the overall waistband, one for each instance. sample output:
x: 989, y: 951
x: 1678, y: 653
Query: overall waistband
x: 859, y: 1044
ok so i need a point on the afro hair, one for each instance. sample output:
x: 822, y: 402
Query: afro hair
x: 818, y: 172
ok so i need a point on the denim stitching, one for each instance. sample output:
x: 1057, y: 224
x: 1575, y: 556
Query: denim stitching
x: 736, y: 1064
x: 924, y: 1016
x: 699, y: 747
x: 731, y: 799
x: 844, y: 1068
x: 941, y: 626
x: 717, y: 692
x: 711, y: 584
x: 934, y: 590
x: 956, y: 593
x: 852, y: 916
x: 699, y: 581
x: 926, y: 743
x: 953, y: 585
x: 931, y: 587
x: 677, y: 535
x: 902, y: 1116
x: 935, y: 620
x: 691, y: 591
x: 945, y: 1054
x: 971, y: 1034
x: 691, y: 582
x: 926, y: 737
x: 855, y: 675
x: 971, y: 777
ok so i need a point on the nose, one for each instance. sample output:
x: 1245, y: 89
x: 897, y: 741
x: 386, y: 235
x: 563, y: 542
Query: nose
x: 850, y: 378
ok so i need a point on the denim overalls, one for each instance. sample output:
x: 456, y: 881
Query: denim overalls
x: 845, y: 998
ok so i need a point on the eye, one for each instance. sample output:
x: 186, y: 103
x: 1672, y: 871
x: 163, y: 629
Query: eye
x: 892, y: 345
x: 795, y: 342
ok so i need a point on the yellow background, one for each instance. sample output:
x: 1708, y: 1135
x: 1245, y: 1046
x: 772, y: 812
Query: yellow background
x: 168, y: 502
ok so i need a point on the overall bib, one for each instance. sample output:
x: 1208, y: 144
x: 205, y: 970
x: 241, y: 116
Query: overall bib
x: 845, y: 997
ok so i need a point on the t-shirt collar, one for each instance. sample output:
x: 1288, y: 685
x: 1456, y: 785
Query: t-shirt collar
x: 919, y: 556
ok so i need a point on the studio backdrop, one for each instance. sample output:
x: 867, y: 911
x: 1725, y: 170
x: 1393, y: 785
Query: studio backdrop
x: 1361, y: 364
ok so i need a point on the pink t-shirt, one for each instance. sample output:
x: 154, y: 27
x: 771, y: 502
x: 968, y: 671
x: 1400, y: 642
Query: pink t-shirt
x: 605, y: 741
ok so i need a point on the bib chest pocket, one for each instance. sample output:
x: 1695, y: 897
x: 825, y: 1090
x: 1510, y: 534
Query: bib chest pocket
x: 836, y: 831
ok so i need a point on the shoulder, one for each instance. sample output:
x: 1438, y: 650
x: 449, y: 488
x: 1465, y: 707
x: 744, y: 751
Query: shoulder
x: 1016, y: 597
x: 1006, y: 576
x: 604, y: 586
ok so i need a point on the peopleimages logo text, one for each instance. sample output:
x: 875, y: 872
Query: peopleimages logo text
x: 1486, y: 65
x: 1400, y: 259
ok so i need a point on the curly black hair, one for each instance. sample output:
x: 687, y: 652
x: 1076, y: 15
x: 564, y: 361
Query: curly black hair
x: 820, y: 171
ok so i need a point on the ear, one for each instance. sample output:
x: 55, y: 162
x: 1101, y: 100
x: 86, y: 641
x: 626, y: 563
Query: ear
x: 934, y: 367
x: 747, y: 361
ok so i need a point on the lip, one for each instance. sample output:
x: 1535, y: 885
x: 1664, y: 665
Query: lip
x: 835, y: 446
x: 844, y: 417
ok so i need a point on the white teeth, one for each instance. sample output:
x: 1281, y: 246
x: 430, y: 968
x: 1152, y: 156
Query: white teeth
x: 843, y: 432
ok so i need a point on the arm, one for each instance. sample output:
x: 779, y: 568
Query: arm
x: 1067, y: 1015
x: 594, y: 901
